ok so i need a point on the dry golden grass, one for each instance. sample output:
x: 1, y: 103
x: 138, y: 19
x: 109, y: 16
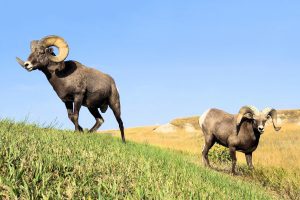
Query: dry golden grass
x: 279, y: 149
x: 180, y: 140
x: 179, y: 122
x: 277, y: 159
x: 276, y: 149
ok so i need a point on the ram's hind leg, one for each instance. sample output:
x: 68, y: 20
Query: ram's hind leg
x: 209, y: 142
x: 114, y: 104
x: 99, y: 120
x: 117, y: 113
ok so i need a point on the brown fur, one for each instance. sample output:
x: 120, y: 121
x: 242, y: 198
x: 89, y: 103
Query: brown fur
x: 221, y: 127
x: 77, y: 85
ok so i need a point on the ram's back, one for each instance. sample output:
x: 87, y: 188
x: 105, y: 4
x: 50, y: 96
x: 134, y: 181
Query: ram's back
x: 219, y: 123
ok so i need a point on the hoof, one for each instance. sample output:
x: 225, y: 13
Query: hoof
x: 206, y: 163
x: 92, y: 131
x: 233, y: 173
x: 79, y: 129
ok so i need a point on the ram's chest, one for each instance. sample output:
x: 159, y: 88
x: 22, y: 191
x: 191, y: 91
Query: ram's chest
x: 65, y: 93
x: 248, y: 143
x: 67, y: 88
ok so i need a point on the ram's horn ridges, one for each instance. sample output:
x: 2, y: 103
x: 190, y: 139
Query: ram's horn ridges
x: 58, y: 42
x: 246, y: 109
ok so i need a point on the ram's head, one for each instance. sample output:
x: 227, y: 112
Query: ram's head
x: 42, y: 53
x: 258, y: 118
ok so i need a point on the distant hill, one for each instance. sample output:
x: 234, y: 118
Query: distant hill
x: 291, y: 116
x: 191, y: 123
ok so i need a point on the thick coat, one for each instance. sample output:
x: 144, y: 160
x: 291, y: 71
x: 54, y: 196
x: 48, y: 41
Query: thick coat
x: 74, y: 83
x: 239, y: 132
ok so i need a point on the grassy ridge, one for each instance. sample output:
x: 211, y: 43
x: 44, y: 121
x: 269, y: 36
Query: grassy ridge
x: 276, y: 160
x: 48, y: 163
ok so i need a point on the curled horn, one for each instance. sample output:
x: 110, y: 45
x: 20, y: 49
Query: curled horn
x: 58, y: 42
x: 272, y: 113
x: 246, y: 110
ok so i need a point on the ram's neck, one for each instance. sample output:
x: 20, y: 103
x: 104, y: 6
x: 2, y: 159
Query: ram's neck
x: 52, y: 69
x: 247, y: 130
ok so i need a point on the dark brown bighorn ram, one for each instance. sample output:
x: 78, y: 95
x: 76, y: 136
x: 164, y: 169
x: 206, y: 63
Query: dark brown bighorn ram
x: 74, y: 83
x: 239, y: 132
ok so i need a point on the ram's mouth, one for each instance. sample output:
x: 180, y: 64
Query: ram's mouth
x: 29, y: 69
x: 261, y: 131
x: 29, y: 66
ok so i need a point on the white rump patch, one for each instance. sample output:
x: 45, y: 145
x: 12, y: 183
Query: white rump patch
x: 203, y: 117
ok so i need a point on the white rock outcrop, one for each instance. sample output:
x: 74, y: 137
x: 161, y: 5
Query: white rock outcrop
x: 166, y: 128
x: 189, y: 128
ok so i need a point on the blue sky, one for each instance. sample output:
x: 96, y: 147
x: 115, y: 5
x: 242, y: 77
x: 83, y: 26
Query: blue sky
x: 169, y: 58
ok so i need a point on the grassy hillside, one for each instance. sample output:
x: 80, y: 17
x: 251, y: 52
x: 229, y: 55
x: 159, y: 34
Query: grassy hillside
x: 276, y: 160
x: 48, y: 163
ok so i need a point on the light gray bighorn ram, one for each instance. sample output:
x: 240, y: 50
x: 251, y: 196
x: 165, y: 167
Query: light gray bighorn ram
x: 239, y: 132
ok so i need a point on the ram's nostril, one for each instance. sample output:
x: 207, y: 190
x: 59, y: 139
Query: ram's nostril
x: 260, y: 128
x: 26, y: 64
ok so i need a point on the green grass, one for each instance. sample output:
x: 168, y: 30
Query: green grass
x: 52, y: 164
x: 284, y: 182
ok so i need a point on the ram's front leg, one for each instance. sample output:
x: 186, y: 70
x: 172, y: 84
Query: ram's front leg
x: 249, y: 160
x: 232, y: 152
x: 77, y: 105
x: 74, y: 114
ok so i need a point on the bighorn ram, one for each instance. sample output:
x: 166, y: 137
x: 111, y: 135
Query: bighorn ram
x: 239, y: 132
x: 74, y: 83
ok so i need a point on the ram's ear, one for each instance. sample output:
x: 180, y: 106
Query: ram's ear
x: 246, y: 112
x: 241, y: 116
x: 50, y: 51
